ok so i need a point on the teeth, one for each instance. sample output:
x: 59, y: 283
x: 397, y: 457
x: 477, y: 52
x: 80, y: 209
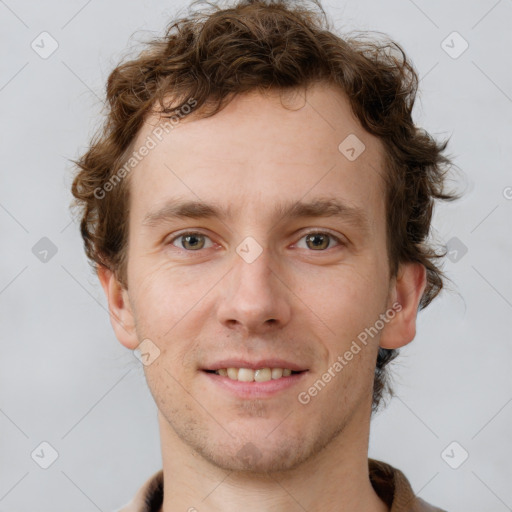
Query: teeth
x: 245, y: 375
x: 263, y: 375
x: 233, y: 373
x: 249, y: 375
x: 277, y: 373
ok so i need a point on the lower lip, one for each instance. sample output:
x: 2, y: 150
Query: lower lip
x: 255, y: 389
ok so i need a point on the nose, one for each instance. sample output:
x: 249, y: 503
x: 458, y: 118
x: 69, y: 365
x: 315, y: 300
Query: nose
x: 254, y: 298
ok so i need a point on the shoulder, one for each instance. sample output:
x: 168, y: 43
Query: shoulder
x: 395, y: 490
x: 149, y: 497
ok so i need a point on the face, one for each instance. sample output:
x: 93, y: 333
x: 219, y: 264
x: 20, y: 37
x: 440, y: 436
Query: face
x: 285, y: 268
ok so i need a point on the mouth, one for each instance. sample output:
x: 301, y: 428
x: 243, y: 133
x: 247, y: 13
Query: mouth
x: 262, y: 370
x: 254, y: 379
x: 255, y: 375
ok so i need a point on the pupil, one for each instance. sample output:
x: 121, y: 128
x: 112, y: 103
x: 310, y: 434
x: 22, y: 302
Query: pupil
x: 192, y: 238
x: 318, y: 240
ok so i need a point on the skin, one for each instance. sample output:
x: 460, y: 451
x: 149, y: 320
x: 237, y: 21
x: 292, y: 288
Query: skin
x: 295, y: 301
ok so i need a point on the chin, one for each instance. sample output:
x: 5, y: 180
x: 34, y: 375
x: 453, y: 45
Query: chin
x: 251, y: 460
x: 261, y: 455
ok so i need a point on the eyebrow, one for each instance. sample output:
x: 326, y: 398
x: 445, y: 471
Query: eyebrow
x: 321, y: 207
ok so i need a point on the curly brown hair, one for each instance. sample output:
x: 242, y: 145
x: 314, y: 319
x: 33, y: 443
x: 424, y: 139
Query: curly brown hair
x: 215, y: 53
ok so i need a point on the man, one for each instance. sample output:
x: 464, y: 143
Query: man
x: 256, y: 209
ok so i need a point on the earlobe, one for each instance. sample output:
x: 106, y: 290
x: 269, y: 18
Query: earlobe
x: 121, y: 315
x: 407, y: 291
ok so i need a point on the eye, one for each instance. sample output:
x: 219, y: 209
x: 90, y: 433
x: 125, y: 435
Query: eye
x: 190, y: 241
x: 194, y: 241
x: 319, y: 240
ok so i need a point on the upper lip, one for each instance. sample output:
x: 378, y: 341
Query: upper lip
x: 255, y: 365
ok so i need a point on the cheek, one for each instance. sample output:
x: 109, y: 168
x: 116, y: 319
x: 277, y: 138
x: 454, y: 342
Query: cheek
x: 346, y: 297
x: 348, y: 303
x: 165, y: 293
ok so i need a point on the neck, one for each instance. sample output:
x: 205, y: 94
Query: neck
x: 335, y: 479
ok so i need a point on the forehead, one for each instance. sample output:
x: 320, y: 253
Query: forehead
x: 260, y: 150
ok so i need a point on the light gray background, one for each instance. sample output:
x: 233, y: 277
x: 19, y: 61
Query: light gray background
x: 65, y: 379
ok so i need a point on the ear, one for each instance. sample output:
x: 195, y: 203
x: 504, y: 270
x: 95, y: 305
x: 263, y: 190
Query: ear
x: 121, y: 315
x: 407, y: 289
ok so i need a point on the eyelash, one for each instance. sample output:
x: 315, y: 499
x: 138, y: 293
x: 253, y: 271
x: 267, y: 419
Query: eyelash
x: 314, y: 232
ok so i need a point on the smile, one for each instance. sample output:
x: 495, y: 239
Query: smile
x: 246, y: 383
x: 259, y: 375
